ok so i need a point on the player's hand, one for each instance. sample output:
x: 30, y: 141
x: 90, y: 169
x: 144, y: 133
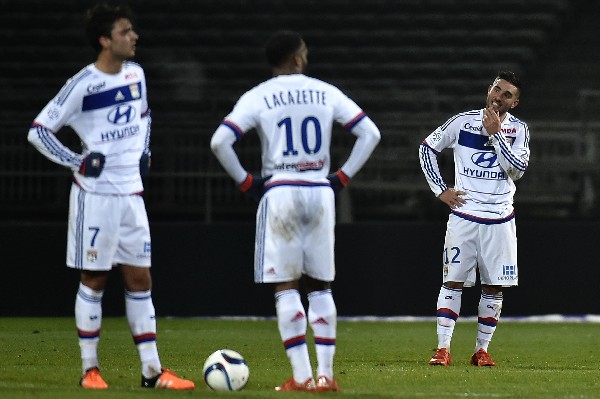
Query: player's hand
x: 254, y: 187
x: 453, y: 198
x: 145, y: 163
x: 92, y: 164
x: 338, y: 180
x: 491, y: 121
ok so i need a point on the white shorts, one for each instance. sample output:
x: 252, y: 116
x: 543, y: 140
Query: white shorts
x: 490, y: 248
x: 295, y: 234
x: 106, y: 230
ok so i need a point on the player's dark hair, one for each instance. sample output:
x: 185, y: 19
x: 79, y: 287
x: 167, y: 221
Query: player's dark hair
x: 101, y: 19
x: 281, y: 46
x: 511, y: 78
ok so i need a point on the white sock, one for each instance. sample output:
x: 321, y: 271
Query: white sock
x: 488, y: 315
x: 88, y: 319
x: 322, y: 316
x: 448, y: 310
x: 291, y: 320
x: 142, y: 324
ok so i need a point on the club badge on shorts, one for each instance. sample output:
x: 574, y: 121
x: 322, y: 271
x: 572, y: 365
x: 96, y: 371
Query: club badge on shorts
x: 92, y: 255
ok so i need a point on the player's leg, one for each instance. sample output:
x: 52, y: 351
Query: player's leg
x: 488, y: 315
x: 89, y: 249
x: 133, y: 255
x: 292, y: 323
x: 88, y: 319
x: 322, y: 316
x: 320, y: 271
x: 458, y: 266
x: 498, y: 268
x: 278, y: 260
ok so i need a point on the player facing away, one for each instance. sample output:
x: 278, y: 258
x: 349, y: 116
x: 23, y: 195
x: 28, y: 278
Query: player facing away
x: 293, y: 115
x: 491, y: 151
x: 106, y: 105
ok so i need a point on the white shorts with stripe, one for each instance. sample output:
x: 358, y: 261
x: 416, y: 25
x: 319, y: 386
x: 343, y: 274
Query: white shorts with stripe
x: 487, y: 245
x: 106, y: 230
x: 295, y: 225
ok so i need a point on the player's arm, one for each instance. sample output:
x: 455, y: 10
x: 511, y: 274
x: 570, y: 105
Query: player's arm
x: 429, y: 164
x: 145, y: 159
x: 448, y: 195
x: 45, y: 141
x: 221, y: 145
x: 53, y: 117
x: 367, y: 137
x: 513, y: 159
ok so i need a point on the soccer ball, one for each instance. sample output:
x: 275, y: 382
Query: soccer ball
x: 226, y: 370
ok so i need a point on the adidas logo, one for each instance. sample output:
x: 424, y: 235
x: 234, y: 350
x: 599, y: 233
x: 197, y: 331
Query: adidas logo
x: 119, y: 96
x: 299, y: 316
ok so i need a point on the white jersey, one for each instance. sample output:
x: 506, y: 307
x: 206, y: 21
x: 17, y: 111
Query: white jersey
x: 110, y: 114
x: 485, y: 167
x: 293, y: 115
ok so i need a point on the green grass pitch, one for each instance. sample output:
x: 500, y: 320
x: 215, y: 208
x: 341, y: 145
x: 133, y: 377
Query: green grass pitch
x: 39, y: 358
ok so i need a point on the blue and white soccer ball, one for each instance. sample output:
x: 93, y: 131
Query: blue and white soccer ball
x: 226, y: 370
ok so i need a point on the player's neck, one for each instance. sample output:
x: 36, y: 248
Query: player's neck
x: 107, y: 64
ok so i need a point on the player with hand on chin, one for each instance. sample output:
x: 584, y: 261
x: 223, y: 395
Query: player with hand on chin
x: 293, y: 114
x: 491, y: 151
x: 106, y: 105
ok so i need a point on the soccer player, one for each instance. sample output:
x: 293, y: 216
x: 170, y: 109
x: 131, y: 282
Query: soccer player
x: 106, y: 105
x: 293, y: 115
x: 491, y: 151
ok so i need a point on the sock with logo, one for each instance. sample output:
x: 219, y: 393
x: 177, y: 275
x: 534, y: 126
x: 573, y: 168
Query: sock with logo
x: 488, y: 315
x: 448, y: 310
x: 142, y: 324
x: 291, y: 320
x: 322, y: 316
x: 88, y: 319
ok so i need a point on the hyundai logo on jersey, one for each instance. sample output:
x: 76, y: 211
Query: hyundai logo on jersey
x: 485, y: 160
x: 121, y: 114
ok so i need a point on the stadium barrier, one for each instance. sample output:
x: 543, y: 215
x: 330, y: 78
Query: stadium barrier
x: 383, y: 269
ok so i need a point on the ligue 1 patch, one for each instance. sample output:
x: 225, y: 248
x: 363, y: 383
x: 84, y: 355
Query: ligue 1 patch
x: 53, y: 113
x: 92, y: 255
x: 135, y: 92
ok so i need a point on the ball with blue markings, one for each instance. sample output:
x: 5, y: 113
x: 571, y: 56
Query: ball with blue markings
x: 226, y: 370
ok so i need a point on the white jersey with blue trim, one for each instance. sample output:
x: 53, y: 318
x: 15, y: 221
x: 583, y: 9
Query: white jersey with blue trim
x: 110, y: 114
x: 485, y: 167
x: 293, y: 115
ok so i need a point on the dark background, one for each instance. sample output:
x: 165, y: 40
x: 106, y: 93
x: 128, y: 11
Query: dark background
x: 410, y: 64
x: 383, y: 269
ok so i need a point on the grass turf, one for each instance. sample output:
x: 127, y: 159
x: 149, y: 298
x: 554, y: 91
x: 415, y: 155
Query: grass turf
x: 39, y: 358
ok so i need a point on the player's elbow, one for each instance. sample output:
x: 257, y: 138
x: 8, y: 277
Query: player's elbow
x: 515, y: 174
x: 33, y: 136
x: 216, y: 143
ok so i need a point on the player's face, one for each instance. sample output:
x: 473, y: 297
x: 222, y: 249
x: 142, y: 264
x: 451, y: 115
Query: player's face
x: 123, y: 39
x: 502, y: 96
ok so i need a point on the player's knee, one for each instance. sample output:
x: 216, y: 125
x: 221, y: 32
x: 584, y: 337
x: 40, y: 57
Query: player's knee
x: 453, y: 285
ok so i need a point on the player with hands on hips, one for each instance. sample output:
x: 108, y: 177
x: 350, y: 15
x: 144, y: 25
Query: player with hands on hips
x: 106, y: 105
x: 293, y: 114
x: 491, y: 151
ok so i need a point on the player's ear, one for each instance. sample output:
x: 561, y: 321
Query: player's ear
x: 515, y: 103
x: 104, y: 41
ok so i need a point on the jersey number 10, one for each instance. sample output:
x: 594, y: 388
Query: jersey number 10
x: 304, y: 131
